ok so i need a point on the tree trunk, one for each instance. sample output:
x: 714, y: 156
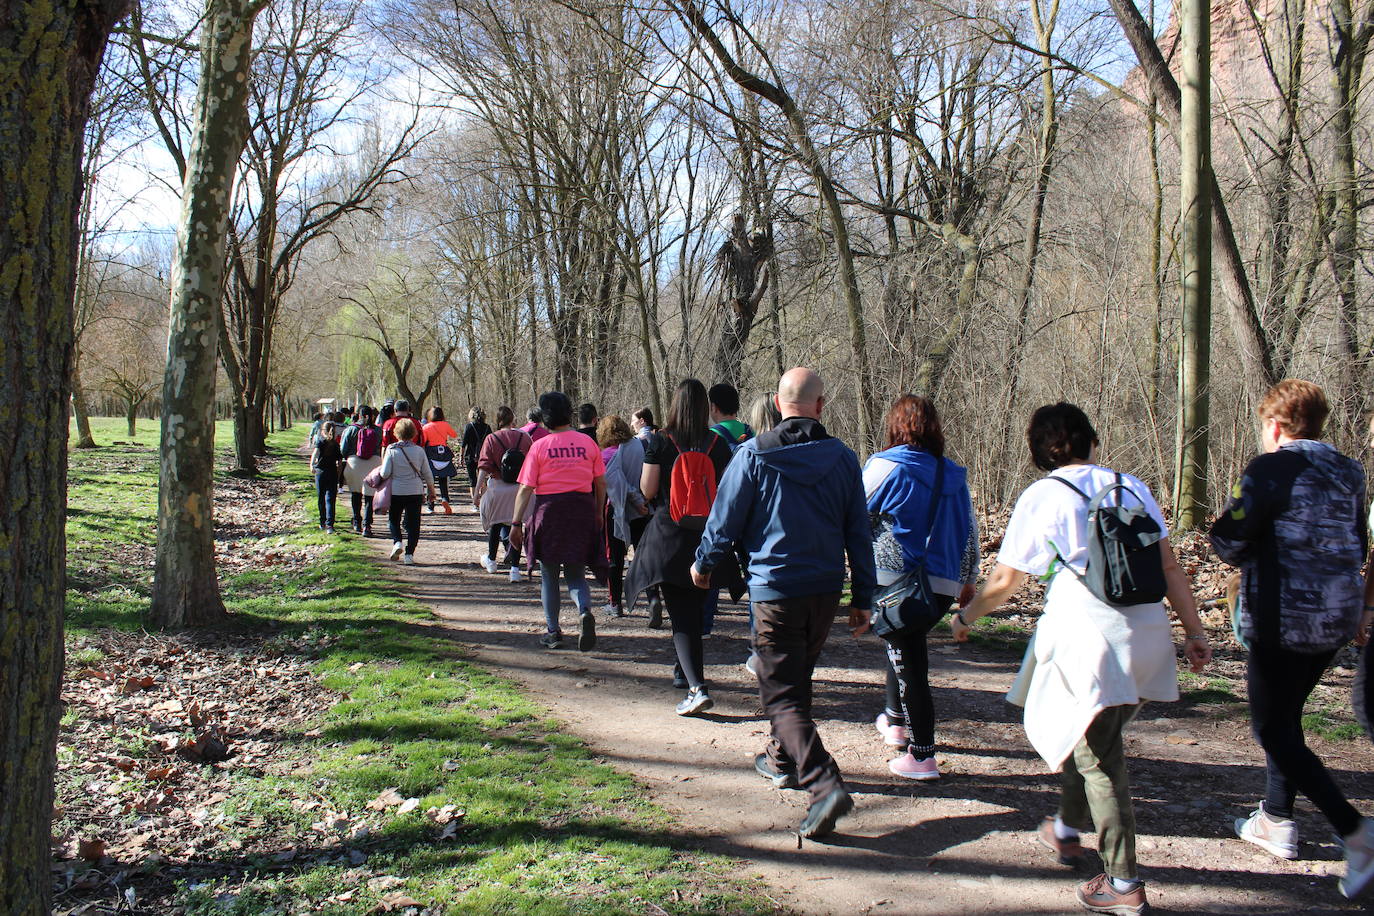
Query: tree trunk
x: 1195, y: 148
x: 1347, y: 53
x: 80, y: 410
x: 185, y: 586
x: 49, y: 56
x: 825, y: 189
x: 131, y: 417
x: 1256, y: 353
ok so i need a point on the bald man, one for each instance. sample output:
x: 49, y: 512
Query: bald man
x: 793, y: 500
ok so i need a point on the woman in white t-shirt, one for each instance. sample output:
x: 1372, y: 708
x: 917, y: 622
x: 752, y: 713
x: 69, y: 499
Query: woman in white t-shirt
x: 1090, y: 665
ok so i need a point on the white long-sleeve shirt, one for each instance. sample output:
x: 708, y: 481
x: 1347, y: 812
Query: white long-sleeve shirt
x: 405, y: 481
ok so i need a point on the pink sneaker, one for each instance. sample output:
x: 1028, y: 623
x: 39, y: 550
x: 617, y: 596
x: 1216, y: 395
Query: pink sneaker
x: 908, y: 767
x: 893, y: 735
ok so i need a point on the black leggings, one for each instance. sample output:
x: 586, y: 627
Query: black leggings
x: 909, y: 701
x: 686, y: 609
x: 1279, y: 683
x: 443, y: 489
x: 617, y: 571
x: 405, y: 510
x: 498, y: 535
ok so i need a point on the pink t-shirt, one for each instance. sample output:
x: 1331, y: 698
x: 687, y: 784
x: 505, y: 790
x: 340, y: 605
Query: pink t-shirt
x: 565, y: 462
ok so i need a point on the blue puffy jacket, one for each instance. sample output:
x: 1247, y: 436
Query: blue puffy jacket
x: 793, y: 500
x: 899, y: 483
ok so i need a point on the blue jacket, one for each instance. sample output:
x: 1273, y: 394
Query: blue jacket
x: 900, y: 505
x: 793, y: 500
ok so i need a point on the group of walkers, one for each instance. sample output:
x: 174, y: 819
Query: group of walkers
x: 779, y: 509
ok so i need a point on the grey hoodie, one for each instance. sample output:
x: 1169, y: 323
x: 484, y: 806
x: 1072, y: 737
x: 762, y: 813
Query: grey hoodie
x: 1296, y: 526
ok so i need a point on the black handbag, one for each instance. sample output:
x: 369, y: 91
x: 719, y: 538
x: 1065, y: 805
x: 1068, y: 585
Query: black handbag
x: 908, y: 604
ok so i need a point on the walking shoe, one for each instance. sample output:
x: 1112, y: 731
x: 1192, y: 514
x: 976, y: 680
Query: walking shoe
x: 1066, y: 852
x: 893, y: 735
x: 586, y: 640
x: 367, y: 531
x: 1271, y: 834
x: 751, y: 664
x: 408, y: 559
x: 515, y: 575
x: 1099, y: 896
x: 697, y: 700
x: 655, y: 613
x: 824, y: 812
x: 448, y: 510
x: 551, y: 640
x: 396, y: 549
x: 1359, y: 860
x: 357, y: 527
x: 908, y: 767
x: 679, y: 679
x: 782, y: 777
x: 431, y: 508
x: 328, y: 529
x: 489, y: 564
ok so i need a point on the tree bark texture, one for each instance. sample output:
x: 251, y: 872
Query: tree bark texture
x: 1195, y: 160
x: 185, y: 585
x: 49, y: 56
x: 80, y: 410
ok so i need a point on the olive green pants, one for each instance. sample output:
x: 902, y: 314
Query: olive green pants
x: 1097, y: 790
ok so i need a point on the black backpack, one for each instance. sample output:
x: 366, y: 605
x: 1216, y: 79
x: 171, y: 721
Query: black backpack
x: 511, y: 462
x: 1125, y: 566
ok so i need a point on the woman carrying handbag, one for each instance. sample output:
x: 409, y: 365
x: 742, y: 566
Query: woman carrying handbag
x: 925, y: 545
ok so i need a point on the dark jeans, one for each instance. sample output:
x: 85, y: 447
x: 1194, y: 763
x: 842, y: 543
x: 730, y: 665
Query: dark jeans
x: 327, y: 492
x: 791, y: 633
x: 1279, y: 683
x: 909, y: 701
x: 686, y: 609
x: 405, y: 510
x: 617, y: 572
x: 500, y: 535
x: 362, y: 509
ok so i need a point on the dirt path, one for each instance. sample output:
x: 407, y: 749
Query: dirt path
x: 960, y: 845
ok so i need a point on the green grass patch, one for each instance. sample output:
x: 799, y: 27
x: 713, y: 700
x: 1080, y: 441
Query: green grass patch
x: 1197, y: 688
x: 1331, y: 724
x: 545, y: 829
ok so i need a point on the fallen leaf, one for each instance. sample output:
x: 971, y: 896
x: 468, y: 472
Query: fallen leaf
x: 91, y: 850
x: 395, y: 901
x: 387, y: 799
x: 409, y: 805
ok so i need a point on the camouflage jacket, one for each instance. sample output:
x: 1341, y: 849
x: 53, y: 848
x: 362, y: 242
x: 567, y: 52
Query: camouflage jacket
x: 1295, y: 525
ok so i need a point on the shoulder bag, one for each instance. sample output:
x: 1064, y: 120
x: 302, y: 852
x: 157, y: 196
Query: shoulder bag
x: 908, y: 604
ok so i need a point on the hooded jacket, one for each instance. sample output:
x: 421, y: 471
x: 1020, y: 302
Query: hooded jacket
x: 1295, y: 525
x: 899, y: 482
x: 793, y: 500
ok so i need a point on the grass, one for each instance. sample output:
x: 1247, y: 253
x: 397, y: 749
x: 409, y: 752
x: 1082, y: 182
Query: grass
x: 547, y: 830
x: 1332, y: 724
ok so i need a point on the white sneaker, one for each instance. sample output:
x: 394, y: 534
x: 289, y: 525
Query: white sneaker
x: 1272, y: 834
x: 408, y: 560
x: 489, y: 564
x: 1359, y: 860
x: 396, y: 549
x: 516, y: 575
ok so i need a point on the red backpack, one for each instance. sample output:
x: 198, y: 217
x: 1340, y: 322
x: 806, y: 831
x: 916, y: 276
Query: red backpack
x: 693, y: 486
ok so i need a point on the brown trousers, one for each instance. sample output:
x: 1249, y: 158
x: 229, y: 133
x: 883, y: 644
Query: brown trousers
x: 788, y: 640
